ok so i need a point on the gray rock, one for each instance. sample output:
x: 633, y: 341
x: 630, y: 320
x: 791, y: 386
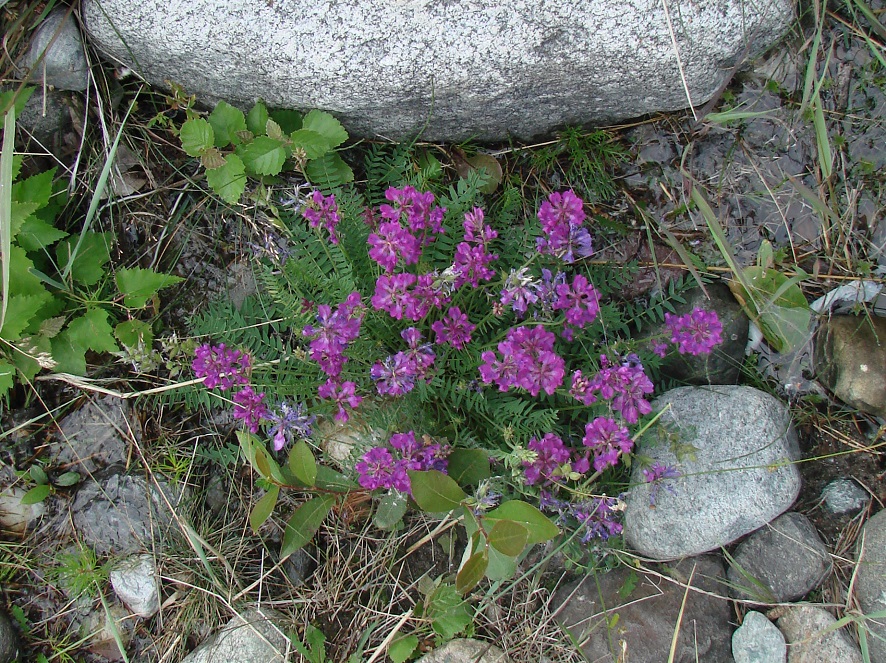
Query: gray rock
x: 8, y: 640
x: 15, y: 516
x: 842, y: 496
x: 804, y: 629
x: 136, y: 582
x: 465, y: 650
x: 648, y: 615
x: 850, y: 360
x: 758, y: 640
x: 723, y: 365
x: 58, y: 40
x: 93, y: 436
x: 120, y: 514
x: 736, y: 475
x: 466, y: 69
x: 870, y: 582
x: 299, y: 566
x: 781, y: 562
x: 101, y: 636
x: 46, y: 117
x: 255, y: 636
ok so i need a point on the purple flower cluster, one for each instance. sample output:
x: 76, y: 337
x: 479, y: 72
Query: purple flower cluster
x: 626, y: 386
x: 550, y: 455
x: 658, y: 475
x: 454, y: 328
x: 519, y: 291
x: 561, y: 217
x: 322, y: 212
x: 408, y: 224
x: 379, y: 468
x: 608, y: 441
x: 220, y: 366
x: 250, y: 407
x: 527, y: 361
x: 597, y: 515
x: 336, y: 329
x: 579, y: 301
x: 472, y: 256
x: 695, y: 333
x: 344, y: 393
x: 288, y: 423
x: 396, y: 375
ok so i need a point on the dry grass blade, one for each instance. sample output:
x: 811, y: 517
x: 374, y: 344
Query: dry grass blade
x: 673, y: 651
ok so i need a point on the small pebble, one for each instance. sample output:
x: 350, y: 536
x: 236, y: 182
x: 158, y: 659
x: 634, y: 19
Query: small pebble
x: 844, y: 496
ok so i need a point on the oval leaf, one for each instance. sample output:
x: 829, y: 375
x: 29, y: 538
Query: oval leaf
x: 229, y: 181
x: 302, y: 463
x: 501, y: 567
x: 435, y: 492
x: 264, y: 156
x: 401, y: 650
x: 37, y: 494
x: 310, y: 142
x: 508, y: 537
x: 263, y: 508
x: 472, y: 572
x: 196, y: 136
x: 468, y: 467
x: 257, y: 118
x: 68, y: 479
x: 391, y: 510
x: 304, y: 523
x: 226, y: 121
x: 538, y: 524
x: 38, y: 474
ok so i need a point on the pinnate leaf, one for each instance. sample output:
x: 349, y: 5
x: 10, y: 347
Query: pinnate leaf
x: 435, y: 492
x: 263, y: 508
x: 229, y: 181
x: 138, y: 285
x: 226, y: 121
x: 329, y: 171
x: 538, y: 525
x: 196, y: 136
x: 304, y: 523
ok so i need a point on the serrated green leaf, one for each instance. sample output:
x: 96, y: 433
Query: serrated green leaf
x: 138, y: 285
x: 22, y: 280
x: 263, y: 508
x: 288, y: 120
x: 390, y: 511
x: 19, y: 98
x: 68, y: 479
x: 538, y: 525
x: 327, y: 126
x: 264, y: 156
x: 196, y: 136
x: 257, y: 118
x: 468, y: 467
x: 20, y: 213
x: 311, y: 143
x: 302, y: 463
x: 472, y: 572
x: 229, y: 181
x: 35, y: 189
x: 304, y: 523
x: 20, y: 311
x: 88, y: 264
x: 25, y: 361
x: 212, y: 159
x: 448, y: 612
x: 226, y: 121
x: 329, y: 171
x: 70, y: 357
x: 274, y: 131
x: 35, y: 234
x: 435, y: 492
x: 508, y: 537
x: 133, y: 333
x: 37, y: 494
x: 51, y: 326
x: 400, y: 650
x: 7, y: 377
x: 91, y: 331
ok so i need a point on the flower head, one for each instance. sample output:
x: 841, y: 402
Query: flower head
x: 220, y: 366
x: 250, y: 407
x: 341, y: 394
x: 695, y: 333
x: 322, y: 211
x: 289, y: 422
x: 454, y: 328
x: 550, y: 454
x: 608, y: 441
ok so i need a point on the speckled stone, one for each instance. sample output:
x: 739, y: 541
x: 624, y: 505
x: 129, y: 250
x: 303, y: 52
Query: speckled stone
x: 457, y: 69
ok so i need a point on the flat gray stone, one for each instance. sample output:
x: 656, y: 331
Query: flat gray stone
x: 255, y: 636
x: 465, y: 650
x: 64, y: 65
x: 843, y: 496
x: 804, y: 629
x: 780, y: 562
x: 758, y: 640
x: 736, y: 473
x: 648, y: 616
x: 136, y: 582
x: 870, y: 582
x: 456, y: 69
x: 92, y: 437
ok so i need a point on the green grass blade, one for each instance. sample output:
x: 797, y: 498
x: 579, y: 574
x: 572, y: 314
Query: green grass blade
x: 6, y: 204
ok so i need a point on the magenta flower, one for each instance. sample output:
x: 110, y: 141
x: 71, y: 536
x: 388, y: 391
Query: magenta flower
x: 519, y: 291
x: 658, y: 475
x: 392, y: 294
x: 695, y: 333
x: 391, y: 244
x: 455, y: 329
x: 579, y: 301
x: 471, y: 264
x: 336, y: 329
x: 289, y: 422
x: 380, y: 468
x: 550, y: 454
x: 220, y: 366
x: 608, y: 441
x: 394, y: 376
x: 375, y: 469
x: 250, y: 407
x: 323, y: 212
x: 561, y: 217
x: 341, y: 394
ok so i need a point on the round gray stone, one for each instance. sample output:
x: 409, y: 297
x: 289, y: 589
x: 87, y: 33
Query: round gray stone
x: 781, y: 562
x: 758, y: 640
x: 842, y: 496
x: 870, y: 582
x: 457, y: 70
x: 805, y: 629
x: 465, y: 650
x: 734, y: 448
x: 255, y: 636
x: 8, y: 640
x: 58, y: 40
x: 135, y: 581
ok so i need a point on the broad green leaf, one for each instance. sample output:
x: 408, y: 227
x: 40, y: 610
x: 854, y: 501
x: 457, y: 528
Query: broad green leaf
x: 68, y: 479
x: 538, y: 524
x: 302, y: 463
x: 7, y: 377
x: 26, y: 361
x: 263, y: 508
x: 20, y: 311
x: 501, y: 566
x: 390, y: 511
x: 314, y: 145
x: 490, y: 165
x: 22, y: 280
x: 288, y: 120
x: 212, y: 159
x: 508, y: 537
x: 89, y: 263
x: 226, y: 121
x: 329, y: 479
x: 468, y: 467
x: 327, y: 126
x: 400, y: 650
x: 196, y: 136
x: 138, y: 285
x: 35, y: 234
x: 304, y: 523
x: 92, y: 331
x: 329, y: 171
x: 69, y: 355
x: 257, y: 119
x: 229, y: 181
x: 274, y: 131
x: 776, y: 303
x: 449, y: 613
x: 19, y: 97
x: 20, y: 213
x: 35, y: 189
x: 37, y: 494
x: 472, y: 572
x: 133, y: 333
x: 38, y: 474
x: 263, y: 156
x: 435, y: 492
